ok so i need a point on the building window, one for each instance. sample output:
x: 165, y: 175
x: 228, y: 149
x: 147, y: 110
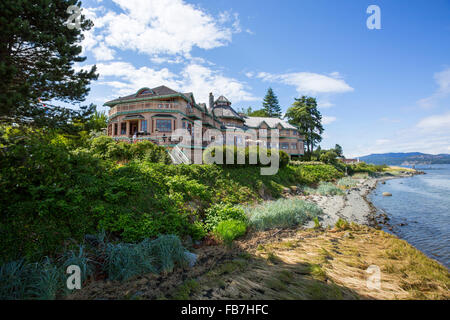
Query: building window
x: 123, y: 128
x: 164, y: 125
x: 294, y: 132
x: 293, y: 146
x: 160, y: 106
x: 144, y: 125
x: 115, y: 129
x: 284, y: 145
x: 183, y: 124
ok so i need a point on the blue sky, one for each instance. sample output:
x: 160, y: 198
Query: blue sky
x: 382, y: 90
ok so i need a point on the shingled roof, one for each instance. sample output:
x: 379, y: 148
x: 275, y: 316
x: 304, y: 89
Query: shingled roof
x: 255, y: 122
x: 147, y: 92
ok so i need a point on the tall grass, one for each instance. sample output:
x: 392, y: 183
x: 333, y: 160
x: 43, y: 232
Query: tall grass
x: 282, y: 213
x: 324, y: 189
x: 38, y: 280
x: 46, y: 279
x: 124, y: 261
x: 347, y: 182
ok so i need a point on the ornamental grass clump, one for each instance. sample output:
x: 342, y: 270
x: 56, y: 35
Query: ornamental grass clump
x: 282, y: 213
x: 324, y: 189
x: 39, y: 280
x: 327, y: 188
x: 347, y: 182
x: 124, y: 261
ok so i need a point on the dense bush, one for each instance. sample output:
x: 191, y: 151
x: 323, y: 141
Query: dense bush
x: 314, y: 173
x: 228, y: 230
x: 222, y: 212
x: 107, y: 148
x: 50, y: 193
x: 363, y: 167
x: 282, y: 213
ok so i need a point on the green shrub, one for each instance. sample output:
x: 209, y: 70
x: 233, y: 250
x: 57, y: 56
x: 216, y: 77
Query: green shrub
x: 342, y: 224
x: 229, y: 230
x: 329, y: 157
x: 222, y: 212
x: 282, y: 213
x: 313, y: 174
x: 316, y: 223
x: 362, y: 167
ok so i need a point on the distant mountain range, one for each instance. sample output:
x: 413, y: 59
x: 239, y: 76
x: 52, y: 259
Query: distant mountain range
x: 411, y: 158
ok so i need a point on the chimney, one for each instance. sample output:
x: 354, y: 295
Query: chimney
x: 211, y: 100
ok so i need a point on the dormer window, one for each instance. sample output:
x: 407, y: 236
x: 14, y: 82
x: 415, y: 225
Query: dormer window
x: 145, y: 92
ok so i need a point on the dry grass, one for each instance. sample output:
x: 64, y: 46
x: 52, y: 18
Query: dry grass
x: 295, y: 264
x: 332, y: 265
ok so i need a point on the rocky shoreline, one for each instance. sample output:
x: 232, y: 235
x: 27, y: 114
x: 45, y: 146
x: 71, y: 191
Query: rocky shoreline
x: 354, y: 206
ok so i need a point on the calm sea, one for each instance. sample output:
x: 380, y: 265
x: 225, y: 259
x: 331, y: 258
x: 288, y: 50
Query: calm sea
x: 422, y: 203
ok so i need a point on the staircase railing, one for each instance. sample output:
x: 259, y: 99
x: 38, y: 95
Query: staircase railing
x: 178, y: 156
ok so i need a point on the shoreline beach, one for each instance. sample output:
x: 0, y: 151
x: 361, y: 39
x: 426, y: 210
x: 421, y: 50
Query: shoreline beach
x: 354, y: 206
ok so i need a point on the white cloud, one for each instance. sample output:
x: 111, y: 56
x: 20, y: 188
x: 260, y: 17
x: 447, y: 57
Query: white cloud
x: 429, y: 135
x: 154, y: 27
x: 250, y: 74
x: 328, y: 119
x: 435, y: 123
x: 325, y: 104
x: 125, y: 79
x: 103, y: 53
x: 380, y: 142
x: 309, y: 83
x: 201, y: 80
x: 442, y: 80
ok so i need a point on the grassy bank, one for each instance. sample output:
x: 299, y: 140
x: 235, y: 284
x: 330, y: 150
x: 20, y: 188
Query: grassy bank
x: 295, y: 264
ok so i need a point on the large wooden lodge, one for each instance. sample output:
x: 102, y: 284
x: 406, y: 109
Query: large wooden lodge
x: 153, y: 114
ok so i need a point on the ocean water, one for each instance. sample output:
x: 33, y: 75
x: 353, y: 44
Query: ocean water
x: 422, y: 203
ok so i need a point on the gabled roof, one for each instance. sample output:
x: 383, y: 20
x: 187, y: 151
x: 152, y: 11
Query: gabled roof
x: 255, y: 122
x: 226, y: 111
x: 222, y: 99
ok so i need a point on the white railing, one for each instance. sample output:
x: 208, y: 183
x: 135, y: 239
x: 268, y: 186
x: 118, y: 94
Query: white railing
x: 178, y: 156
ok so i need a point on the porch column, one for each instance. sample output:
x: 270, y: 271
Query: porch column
x: 128, y: 128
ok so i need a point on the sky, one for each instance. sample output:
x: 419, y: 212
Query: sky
x: 379, y: 90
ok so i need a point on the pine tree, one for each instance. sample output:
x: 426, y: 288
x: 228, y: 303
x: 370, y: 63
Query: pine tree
x: 271, y: 105
x: 305, y: 115
x: 37, y: 53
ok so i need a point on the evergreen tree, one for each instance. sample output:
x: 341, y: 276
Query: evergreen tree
x: 37, y: 53
x: 271, y: 105
x: 339, y: 151
x: 305, y: 115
